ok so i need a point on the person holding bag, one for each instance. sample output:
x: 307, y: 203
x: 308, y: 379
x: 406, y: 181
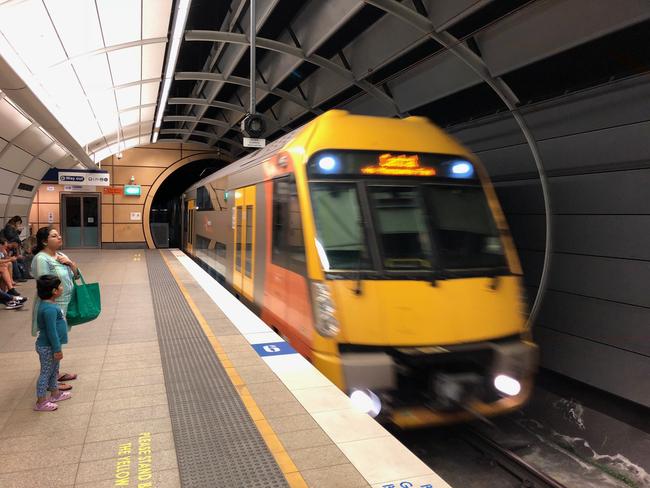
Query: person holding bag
x: 48, y: 260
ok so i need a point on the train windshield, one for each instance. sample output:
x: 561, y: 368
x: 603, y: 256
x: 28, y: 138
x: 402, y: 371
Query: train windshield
x: 404, y: 225
x: 341, y: 239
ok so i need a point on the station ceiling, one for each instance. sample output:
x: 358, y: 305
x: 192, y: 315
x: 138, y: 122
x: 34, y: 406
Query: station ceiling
x: 107, y: 69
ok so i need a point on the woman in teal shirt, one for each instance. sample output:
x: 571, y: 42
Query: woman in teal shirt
x: 49, y: 261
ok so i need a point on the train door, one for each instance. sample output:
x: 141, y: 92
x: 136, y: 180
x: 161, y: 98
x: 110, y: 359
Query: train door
x: 244, y: 248
x: 189, y: 225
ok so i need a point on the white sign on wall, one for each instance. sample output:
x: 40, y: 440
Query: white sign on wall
x: 84, y: 178
x: 78, y: 188
x: 50, y: 188
x: 136, y: 216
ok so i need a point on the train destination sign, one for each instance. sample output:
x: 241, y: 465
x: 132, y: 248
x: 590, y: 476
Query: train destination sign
x: 337, y: 163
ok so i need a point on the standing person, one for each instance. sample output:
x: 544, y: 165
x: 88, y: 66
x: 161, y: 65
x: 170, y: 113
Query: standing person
x: 49, y: 260
x: 52, y: 334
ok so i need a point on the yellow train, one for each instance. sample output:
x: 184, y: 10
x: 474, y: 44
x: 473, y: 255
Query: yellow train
x: 377, y: 248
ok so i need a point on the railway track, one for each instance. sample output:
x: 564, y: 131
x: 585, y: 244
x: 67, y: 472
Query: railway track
x: 528, y: 475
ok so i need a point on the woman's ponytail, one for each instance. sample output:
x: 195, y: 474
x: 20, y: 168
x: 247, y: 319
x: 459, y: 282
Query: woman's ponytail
x: 41, y: 238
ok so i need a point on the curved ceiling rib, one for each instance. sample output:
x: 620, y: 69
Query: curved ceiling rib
x: 201, y: 133
x: 237, y: 80
x: 280, y: 47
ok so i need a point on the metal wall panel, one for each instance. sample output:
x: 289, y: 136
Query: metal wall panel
x: 620, y: 236
x: 426, y: 82
x: 380, y: 43
x: 608, y: 368
x: 623, y: 326
x: 522, y: 38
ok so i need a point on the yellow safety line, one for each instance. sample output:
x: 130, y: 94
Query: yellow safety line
x: 288, y: 468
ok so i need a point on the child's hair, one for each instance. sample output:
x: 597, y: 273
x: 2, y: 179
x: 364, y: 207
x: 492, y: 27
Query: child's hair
x: 45, y: 286
x: 3, y: 241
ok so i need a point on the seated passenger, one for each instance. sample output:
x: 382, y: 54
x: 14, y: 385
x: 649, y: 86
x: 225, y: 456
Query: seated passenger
x: 12, y: 232
x: 6, y: 281
x: 52, y: 334
x: 11, y: 302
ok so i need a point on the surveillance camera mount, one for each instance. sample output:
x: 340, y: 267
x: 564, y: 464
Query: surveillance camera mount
x: 253, y: 125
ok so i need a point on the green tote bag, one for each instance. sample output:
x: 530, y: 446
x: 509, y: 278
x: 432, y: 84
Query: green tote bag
x: 85, y: 304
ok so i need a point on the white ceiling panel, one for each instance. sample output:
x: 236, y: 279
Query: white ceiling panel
x: 121, y: 20
x: 37, y: 51
x: 33, y: 140
x: 55, y: 46
x: 13, y: 122
x: 130, y: 117
x: 37, y: 169
x: 19, y: 206
x: 62, y: 83
x: 150, y: 93
x: 7, y: 181
x: 93, y: 72
x: 77, y: 24
x: 128, y: 97
x: 15, y: 159
x: 3, y: 143
x: 125, y: 65
x: 153, y: 57
x: 155, y: 18
x: 147, y: 113
x: 53, y: 154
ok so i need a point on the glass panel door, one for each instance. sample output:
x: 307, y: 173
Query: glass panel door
x: 80, y: 221
x: 90, y: 228
x: 72, y: 221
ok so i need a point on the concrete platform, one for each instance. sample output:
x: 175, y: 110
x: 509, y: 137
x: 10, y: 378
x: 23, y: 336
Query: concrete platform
x: 117, y: 428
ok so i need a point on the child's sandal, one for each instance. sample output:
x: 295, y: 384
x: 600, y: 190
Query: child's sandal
x: 46, y: 406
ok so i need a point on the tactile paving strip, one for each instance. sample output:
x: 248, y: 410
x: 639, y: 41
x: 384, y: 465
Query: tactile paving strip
x: 217, y: 443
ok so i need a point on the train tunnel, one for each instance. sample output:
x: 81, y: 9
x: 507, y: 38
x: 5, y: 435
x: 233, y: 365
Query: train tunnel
x: 112, y: 113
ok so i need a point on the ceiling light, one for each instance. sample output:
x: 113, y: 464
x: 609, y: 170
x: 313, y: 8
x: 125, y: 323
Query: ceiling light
x: 180, y: 19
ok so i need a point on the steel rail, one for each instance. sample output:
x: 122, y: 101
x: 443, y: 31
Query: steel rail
x: 526, y: 473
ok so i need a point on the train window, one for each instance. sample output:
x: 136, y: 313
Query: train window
x: 238, y: 245
x: 467, y: 234
x: 339, y: 226
x: 288, y: 243
x: 248, y: 259
x: 203, y: 201
x: 280, y: 198
x: 220, y: 250
x: 401, y: 227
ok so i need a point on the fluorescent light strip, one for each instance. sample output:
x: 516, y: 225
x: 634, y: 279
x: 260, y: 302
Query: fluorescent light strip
x: 180, y: 19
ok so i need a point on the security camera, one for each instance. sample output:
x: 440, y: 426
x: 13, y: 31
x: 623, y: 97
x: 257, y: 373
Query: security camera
x: 253, y: 126
x: 119, y: 155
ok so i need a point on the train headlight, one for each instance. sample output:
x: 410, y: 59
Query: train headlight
x: 365, y: 401
x: 326, y: 323
x: 507, y: 384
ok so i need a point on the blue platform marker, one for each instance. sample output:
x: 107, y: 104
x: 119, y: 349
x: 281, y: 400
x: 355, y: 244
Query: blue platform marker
x: 274, y: 349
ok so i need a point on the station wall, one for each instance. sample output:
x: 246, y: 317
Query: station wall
x: 594, y: 325
x: 149, y: 165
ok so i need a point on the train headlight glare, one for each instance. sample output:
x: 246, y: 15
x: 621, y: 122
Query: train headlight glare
x: 506, y: 384
x: 327, y: 163
x: 365, y: 401
x: 325, y: 319
x: 462, y: 169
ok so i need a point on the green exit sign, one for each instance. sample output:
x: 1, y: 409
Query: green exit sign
x: 132, y: 190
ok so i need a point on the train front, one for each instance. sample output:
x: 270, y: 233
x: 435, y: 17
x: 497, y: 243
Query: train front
x: 420, y: 307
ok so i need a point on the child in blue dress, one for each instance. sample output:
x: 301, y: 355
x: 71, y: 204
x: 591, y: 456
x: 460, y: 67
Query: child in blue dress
x: 52, y: 334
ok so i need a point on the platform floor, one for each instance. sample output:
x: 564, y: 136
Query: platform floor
x: 119, y: 427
